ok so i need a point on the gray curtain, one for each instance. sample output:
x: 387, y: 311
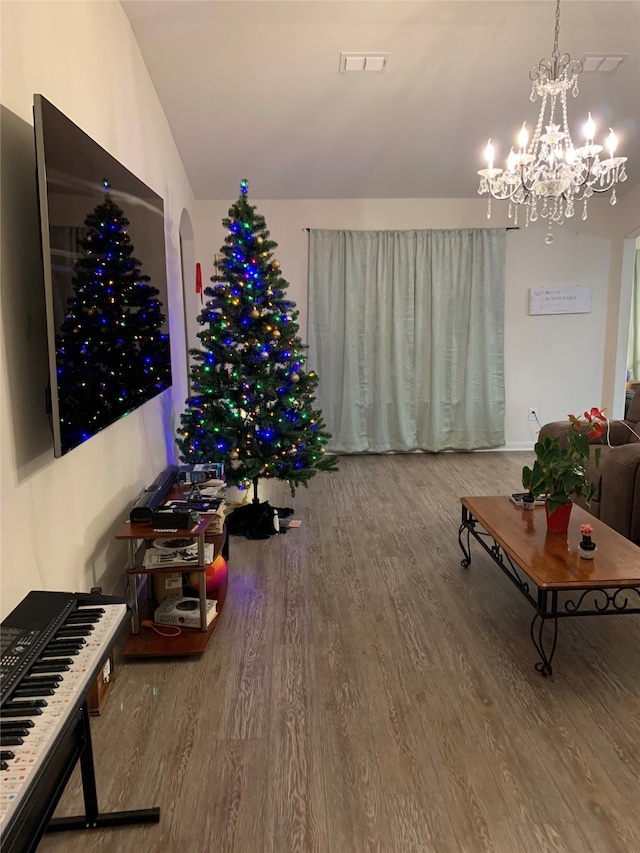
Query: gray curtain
x: 406, y: 333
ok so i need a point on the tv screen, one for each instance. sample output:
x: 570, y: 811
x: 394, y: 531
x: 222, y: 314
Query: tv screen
x: 105, y: 281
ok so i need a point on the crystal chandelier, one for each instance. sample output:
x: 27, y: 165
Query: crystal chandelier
x: 547, y: 175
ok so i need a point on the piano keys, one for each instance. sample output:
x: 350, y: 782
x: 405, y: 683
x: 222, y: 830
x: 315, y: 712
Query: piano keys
x: 57, y: 644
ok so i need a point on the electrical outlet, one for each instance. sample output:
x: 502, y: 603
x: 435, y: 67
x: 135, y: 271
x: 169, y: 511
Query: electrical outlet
x: 533, y: 414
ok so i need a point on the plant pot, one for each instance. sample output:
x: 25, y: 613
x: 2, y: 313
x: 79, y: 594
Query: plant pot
x: 587, y: 553
x: 558, y: 520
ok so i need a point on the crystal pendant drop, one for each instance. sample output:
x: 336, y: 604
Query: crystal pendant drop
x: 584, y: 210
x: 549, y: 239
x: 613, y: 199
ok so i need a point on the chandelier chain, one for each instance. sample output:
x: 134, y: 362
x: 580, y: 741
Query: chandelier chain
x: 556, y: 52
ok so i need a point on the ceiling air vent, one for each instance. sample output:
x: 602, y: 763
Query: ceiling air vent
x: 604, y: 63
x: 363, y: 62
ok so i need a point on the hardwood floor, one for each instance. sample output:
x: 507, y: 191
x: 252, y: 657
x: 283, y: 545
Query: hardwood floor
x: 362, y: 692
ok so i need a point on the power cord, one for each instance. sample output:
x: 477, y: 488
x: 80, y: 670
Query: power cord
x: 163, y: 630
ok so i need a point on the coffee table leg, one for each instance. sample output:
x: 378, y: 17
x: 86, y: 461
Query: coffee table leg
x: 543, y: 615
x: 466, y: 525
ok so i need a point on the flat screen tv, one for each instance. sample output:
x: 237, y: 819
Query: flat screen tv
x: 105, y: 281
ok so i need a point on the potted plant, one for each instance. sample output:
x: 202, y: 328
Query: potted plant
x: 559, y: 470
x: 587, y: 545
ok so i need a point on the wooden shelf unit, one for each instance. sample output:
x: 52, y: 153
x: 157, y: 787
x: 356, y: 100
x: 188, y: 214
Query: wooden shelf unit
x: 145, y: 641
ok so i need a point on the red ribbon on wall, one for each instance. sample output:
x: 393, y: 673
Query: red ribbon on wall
x: 199, y: 281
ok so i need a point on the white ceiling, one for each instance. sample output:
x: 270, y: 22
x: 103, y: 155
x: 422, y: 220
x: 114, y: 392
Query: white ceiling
x: 251, y: 89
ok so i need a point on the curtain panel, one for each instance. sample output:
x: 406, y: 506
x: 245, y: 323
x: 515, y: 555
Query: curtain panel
x: 406, y: 332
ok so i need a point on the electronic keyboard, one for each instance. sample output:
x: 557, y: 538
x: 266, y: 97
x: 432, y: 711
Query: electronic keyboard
x: 53, y: 647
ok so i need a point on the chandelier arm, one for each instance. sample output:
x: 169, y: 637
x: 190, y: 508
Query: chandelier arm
x: 503, y: 196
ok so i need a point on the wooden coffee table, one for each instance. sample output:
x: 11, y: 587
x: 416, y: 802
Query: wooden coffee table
x: 547, y: 567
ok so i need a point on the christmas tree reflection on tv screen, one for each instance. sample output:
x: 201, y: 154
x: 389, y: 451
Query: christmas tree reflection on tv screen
x: 112, y: 350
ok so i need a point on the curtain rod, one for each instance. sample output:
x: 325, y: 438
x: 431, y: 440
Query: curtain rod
x: 508, y: 228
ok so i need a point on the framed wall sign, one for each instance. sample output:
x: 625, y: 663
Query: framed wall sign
x: 560, y: 300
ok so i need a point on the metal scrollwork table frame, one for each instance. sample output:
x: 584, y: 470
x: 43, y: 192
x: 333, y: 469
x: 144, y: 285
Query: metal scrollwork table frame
x: 547, y: 567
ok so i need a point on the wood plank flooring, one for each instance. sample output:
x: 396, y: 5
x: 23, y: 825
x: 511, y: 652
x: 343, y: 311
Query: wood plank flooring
x: 362, y: 692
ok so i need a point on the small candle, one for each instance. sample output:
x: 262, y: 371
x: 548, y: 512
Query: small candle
x: 523, y: 136
x: 590, y: 129
x: 488, y: 153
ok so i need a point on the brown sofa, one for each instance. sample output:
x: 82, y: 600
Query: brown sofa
x: 617, y: 478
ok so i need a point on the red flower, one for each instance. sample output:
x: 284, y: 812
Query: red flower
x: 586, y: 529
x: 595, y: 430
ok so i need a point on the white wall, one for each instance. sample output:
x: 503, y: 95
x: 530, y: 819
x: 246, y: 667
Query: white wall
x: 59, y: 515
x: 557, y: 363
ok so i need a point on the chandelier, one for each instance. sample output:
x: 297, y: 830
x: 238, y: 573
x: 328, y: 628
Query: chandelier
x: 547, y: 175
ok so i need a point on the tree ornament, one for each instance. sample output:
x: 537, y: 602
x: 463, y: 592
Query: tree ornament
x: 275, y: 264
x: 234, y: 454
x: 294, y: 377
x: 276, y: 333
x: 255, y: 313
x: 259, y: 241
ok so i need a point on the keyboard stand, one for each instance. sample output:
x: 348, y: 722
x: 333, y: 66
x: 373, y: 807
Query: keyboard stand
x: 93, y: 818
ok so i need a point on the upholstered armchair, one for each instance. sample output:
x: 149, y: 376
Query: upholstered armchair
x: 617, y: 478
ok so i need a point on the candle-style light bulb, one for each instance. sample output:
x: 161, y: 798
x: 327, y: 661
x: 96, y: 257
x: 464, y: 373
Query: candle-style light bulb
x: 612, y: 143
x: 523, y: 137
x: 489, y: 153
x: 570, y: 154
x: 511, y: 161
x: 589, y: 129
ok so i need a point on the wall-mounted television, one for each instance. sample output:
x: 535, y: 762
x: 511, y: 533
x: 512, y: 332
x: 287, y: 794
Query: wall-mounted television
x: 105, y: 281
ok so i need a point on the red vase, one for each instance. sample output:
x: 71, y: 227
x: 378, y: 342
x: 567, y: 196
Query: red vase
x: 558, y: 520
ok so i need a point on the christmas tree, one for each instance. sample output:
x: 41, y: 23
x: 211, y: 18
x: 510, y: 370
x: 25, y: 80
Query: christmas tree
x: 111, y: 352
x: 252, y: 403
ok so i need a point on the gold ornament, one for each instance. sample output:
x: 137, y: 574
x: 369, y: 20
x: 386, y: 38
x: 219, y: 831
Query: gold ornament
x: 276, y: 264
x: 295, y: 377
x: 276, y: 333
x: 234, y: 454
x: 255, y: 313
x: 259, y: 241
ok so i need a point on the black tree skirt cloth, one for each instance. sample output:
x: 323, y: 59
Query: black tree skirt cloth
x: 256, y: 520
